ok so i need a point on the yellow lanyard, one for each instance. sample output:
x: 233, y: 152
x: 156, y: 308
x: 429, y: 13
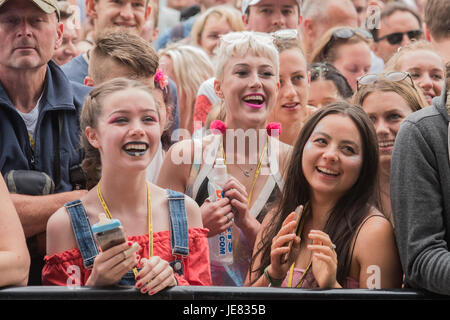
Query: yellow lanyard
x: 149, y: 217
x: 291, y: 269
x: 302, y: 279
x: 258, y: 168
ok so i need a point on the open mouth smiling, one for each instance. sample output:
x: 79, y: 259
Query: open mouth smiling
x: 255, y: 101
x: 327, y: 171
x: 135, y: 148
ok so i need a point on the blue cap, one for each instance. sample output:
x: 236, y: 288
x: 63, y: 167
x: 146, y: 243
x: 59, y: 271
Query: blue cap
x: 105, y: 224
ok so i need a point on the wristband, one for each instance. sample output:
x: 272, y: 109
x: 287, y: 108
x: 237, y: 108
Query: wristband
x: 273, y: 282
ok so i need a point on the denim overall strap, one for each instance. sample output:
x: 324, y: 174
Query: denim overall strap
x: 83, y: 232
x: 179, y: 236
x: 85, y: 238
x: 178, y: 224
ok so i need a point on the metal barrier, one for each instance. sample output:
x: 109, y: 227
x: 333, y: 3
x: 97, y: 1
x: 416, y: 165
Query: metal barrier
x: 212, y: 293
x: 193, y: 303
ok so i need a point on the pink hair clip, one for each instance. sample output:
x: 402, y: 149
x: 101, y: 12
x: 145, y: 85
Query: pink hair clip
x: 161, y: 78
x: 274, y: 129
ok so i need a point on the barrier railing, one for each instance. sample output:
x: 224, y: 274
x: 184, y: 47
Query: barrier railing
x: 212, y: 293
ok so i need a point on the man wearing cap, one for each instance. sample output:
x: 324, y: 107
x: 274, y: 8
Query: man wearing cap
x: 271, y: 15
x: 39, y: 110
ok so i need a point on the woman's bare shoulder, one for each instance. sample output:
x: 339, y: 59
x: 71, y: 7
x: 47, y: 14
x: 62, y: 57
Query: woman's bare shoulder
x: 60, y: 236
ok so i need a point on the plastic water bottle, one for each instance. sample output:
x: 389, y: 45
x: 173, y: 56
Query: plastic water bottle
x: 220, y: 245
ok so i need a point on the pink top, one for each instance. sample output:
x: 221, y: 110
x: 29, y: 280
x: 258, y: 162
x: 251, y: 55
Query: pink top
x: 311, y: 283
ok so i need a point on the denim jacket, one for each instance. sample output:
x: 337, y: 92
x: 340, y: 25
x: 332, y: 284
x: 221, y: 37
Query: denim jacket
x: 61, y: 100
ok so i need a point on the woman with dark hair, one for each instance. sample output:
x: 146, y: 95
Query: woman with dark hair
x: 342, y: 240
x: 327, y: 85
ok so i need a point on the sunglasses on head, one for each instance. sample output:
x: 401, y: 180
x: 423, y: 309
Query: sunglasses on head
x: 397, y: 37
x: 318, y: 69
x: 346, y: 33
x: 392, y: 76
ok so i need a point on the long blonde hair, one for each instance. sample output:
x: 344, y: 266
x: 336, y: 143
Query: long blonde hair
x: 191, y: 66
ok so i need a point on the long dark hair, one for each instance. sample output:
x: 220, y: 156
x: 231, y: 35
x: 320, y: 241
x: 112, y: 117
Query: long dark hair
x: 348, y: 212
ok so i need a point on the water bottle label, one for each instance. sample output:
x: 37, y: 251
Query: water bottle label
x: 220, y: 194
x: 226, y: 242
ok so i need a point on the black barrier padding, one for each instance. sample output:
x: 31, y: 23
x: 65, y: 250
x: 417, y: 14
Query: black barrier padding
x: 211, y: 293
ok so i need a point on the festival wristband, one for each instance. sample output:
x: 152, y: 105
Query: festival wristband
x: 273, y: 282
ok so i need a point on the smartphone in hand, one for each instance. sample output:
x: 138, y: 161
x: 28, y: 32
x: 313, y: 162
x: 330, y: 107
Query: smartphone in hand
x: 298, y: 215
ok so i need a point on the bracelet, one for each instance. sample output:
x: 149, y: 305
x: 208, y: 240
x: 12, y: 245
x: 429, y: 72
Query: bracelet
x: 273, y: 282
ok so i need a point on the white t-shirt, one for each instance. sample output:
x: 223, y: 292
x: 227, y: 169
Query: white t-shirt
x: 31, y: 119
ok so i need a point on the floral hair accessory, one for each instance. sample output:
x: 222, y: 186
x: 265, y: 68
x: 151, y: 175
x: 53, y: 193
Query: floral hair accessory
x: 161, y: 79
x: 274, y: 128
x: 218, y: 127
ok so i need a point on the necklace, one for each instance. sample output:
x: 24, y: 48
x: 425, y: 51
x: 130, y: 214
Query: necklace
x: 149, y: 218
x: 245, y: 172
x: 258, y: 168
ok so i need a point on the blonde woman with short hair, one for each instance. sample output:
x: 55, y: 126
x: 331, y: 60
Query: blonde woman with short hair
x: 247, y: 81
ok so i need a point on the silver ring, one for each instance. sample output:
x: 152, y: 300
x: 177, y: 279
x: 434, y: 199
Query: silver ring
x: 228, y: 219
x: 333, y: 246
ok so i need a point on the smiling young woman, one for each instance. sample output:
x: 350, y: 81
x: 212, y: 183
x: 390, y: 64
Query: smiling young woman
x: 247, y: 73
x: 120, y: 121
x: 388, y: 103
x: 425, y: 66
x: 332, y: 173
x: 291, y: 109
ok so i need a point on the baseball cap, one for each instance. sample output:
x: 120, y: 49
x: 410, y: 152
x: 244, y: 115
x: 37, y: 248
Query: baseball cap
x: 48, y: 6
x: 248, y: 3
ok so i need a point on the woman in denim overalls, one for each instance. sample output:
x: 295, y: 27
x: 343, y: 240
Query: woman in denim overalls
x: 120, y: 121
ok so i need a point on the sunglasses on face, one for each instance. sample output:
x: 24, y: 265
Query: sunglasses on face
x: 392, y: 76
x: 397, y: 37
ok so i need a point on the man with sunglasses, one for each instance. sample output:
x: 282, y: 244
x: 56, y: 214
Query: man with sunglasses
x: 398, y: 26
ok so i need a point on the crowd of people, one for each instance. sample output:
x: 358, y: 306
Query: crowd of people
x: 330, y: 120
